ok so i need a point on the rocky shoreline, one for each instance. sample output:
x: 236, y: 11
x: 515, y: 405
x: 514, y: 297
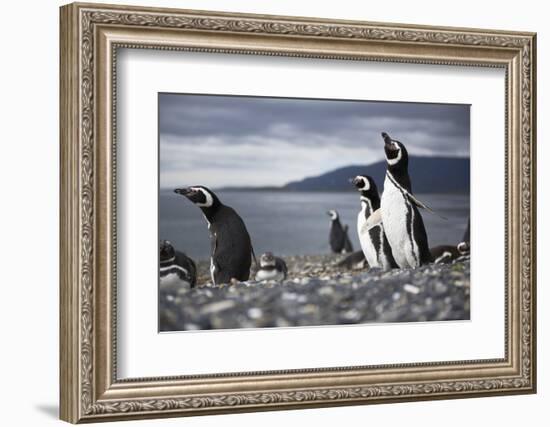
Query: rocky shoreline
x: 319, y: 291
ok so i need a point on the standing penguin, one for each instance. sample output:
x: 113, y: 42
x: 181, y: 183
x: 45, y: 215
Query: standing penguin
x: 338, y: 236
x: 348, y: 247
x: 271, y: 268
x: 464, y: 246
x: 176, y: 268
x: 373, y: 241
x: 399, y: 212
x: 231, y: 248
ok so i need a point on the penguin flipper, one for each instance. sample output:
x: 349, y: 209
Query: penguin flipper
x: 422, y: 205
x: 254, y: 257
x: 215, y: 268
x: 374, y: 219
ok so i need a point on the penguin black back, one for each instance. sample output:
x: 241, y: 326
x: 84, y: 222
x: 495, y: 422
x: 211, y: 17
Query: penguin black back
x: 354, y: 261
x: 173, y: 262
x: 464, y: 245
x: 466, y: 237
x: 348, y: 246
x: 337, y: 234
x: 231, y: 246
x: 418, y: 229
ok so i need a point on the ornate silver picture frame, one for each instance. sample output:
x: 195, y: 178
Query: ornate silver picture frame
x: 91, y: 36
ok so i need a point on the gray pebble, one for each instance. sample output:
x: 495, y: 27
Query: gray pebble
x: 317, y: 292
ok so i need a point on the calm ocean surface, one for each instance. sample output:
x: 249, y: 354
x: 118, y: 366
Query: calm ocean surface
x: 295, y: 223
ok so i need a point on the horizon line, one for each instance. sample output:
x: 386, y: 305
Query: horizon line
x: 281, y: 186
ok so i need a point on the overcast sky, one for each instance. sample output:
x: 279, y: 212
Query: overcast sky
x: 221, y: 141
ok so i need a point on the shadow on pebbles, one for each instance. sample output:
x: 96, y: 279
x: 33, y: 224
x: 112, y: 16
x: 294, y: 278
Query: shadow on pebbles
x: 319, y: 292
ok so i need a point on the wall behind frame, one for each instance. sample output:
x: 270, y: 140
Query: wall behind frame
x: 29, y: 170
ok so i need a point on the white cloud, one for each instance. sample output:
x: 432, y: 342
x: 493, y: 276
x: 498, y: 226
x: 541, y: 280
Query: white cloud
x: 232, y: 141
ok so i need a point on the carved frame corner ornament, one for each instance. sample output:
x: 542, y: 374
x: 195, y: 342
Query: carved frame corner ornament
x: 90, y: 36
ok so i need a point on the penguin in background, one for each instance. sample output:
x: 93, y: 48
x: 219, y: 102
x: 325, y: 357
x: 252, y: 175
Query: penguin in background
x: 348, y: 247
x: 231, y: 247
x: 271, y: 268
x: 399, y: 210
x: 464, y: 246
x: 374, y: 243
x: 338, y: 237
x: 354, y: 261
x: 176, y: 268
x: 444, y: 254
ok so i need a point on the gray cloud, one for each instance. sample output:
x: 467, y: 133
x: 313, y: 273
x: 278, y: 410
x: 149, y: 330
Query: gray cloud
x: 231, y: 140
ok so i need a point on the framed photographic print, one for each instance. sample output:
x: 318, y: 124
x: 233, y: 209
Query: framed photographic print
x: 265, y: 212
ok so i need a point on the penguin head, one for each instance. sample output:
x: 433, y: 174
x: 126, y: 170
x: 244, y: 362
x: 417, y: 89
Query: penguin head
x: 463, y: 248
x: 366, y: 186
x: 201, y: 196
x: 167, y: 251
x: 396, y: 153
x: 267, y: 260
x: 333, y: 214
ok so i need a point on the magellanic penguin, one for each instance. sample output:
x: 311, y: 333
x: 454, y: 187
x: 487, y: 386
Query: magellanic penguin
x: 348, y: 247
x: 444, y: 254
x: 176, y: 269
x: 354, y: 261
x: 464, y: 246
x: 271, y: 268
x: 373, y: 241
x: 399, y: 212
x: 231, y: 248
x: 338, y: 236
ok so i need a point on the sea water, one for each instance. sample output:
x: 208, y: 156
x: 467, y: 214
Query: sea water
x: 296, y: 223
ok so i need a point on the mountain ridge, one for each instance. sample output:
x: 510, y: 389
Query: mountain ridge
x: 438, y: 174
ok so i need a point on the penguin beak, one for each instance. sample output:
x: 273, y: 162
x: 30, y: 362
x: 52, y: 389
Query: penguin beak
x: 387, y: 139
x: 183, y: 191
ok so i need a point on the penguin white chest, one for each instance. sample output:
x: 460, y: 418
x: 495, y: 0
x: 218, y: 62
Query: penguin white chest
x: 397, y: 219
x: 212, y: 271
x: 367, y: 246
x: 172, y: 282
x: 270, y: 275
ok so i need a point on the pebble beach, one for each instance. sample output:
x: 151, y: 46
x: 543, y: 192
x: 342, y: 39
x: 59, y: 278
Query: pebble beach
x: 320, y: 291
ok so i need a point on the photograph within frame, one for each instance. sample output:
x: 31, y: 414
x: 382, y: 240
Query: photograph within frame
x: 90, y: 390
x: 335, y: 157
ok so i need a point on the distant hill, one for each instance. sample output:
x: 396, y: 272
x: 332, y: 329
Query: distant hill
x: 428, y: 175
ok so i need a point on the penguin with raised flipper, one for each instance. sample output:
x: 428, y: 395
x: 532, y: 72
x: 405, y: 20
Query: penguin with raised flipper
x: 271, y: 268
x: 399, y: 211
x: 374, y: 243
x: 231, y: 247
x: 338, y: 236
x: 176, y: 269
